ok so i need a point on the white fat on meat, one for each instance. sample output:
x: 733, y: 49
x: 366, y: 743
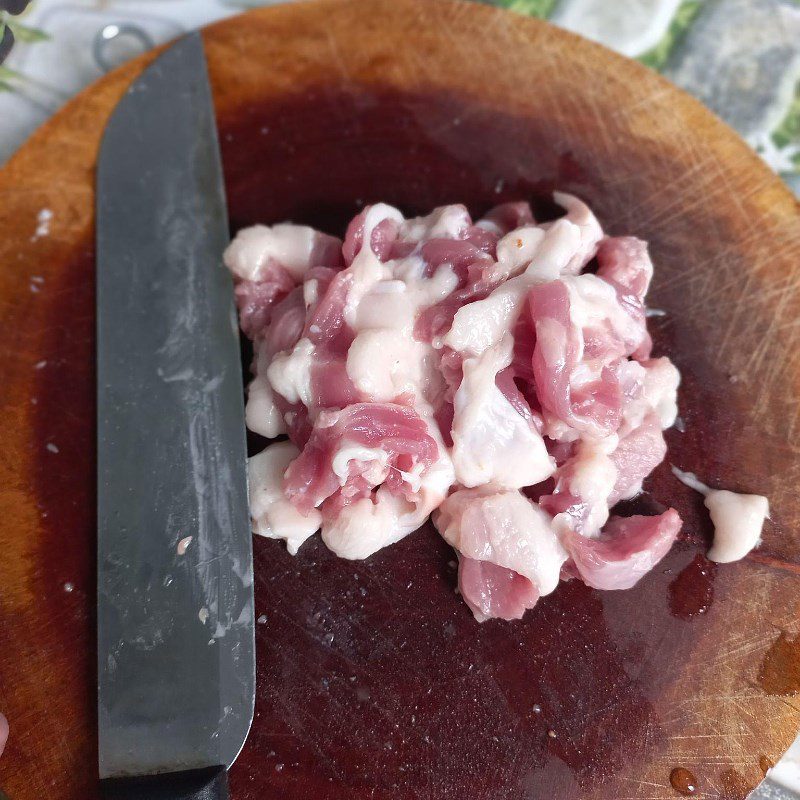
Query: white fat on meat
x: 591, y: 232
x: 289, y: 373
x: 261, y: 415
x: 369, y: 462
x: 261, y: 412
x: 252, y: 250
x: 593, y: 302
x: 589, y: 476
x: 653, y: 389
x: 738, y: 518
x: 371, y: 523
x: 492, y: 441
x: 661, y: 383
x: 310, y: 292
x: 445, y: 222
x: 558, y: 248
x: 516, y: 249
x: 383, y: 365
x: 505, y: 528
x: 385, y: 360
x: 272, y: 514
x: 395, y: 302
x: 366, y: 269
x: 483, y: 323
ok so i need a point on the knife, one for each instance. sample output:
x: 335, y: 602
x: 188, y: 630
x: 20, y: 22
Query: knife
x: 176, y: 663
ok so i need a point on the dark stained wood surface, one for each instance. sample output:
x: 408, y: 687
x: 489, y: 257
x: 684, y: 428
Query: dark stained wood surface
x: 373, y: 679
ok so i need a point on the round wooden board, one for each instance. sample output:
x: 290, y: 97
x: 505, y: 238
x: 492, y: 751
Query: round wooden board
x: 374, y: 681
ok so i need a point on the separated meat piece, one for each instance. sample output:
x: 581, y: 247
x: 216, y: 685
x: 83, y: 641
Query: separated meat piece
x: 582, y: 336
x: 738, y: 518
x: 628, y: 548
x: 507, y: 530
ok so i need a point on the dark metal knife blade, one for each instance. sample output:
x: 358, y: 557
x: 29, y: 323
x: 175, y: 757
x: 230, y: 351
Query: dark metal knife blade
x: 176, y: 664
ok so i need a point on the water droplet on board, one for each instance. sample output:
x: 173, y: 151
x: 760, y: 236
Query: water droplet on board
x: 780, y: 670
x: 683, y: 781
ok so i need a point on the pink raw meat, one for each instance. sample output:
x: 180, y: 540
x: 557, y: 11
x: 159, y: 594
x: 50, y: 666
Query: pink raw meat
x: 260, y: 285
x: 381, y: 241
x: 288, y: 319
x: 397, y: 430
x: 524, y: 345
x: 327, y: 329
x: 437, y: 319
x: 483, y: 239
x: 492, y: 591
x: 594, y: 408
x: 636, y: 456
x: 625, y: 264
x: 461, y: 255
x: 504, y: 380
x: 628, y: 548
x: 256, y: 299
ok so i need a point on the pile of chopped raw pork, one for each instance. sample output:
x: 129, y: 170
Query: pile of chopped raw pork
x: 475, y: 371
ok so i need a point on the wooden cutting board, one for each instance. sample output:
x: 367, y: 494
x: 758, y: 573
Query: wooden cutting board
x: 374, y: 681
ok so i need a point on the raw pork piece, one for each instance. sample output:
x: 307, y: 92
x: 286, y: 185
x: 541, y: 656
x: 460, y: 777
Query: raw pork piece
x: 494, y: 373
x: 737, y: 518
x: 509, y: 552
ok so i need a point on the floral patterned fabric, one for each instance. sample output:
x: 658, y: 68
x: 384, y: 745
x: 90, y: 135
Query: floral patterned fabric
x: 740, y: 57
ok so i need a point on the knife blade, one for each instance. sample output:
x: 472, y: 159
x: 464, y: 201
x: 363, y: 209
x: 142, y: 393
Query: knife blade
x: 176, y: 663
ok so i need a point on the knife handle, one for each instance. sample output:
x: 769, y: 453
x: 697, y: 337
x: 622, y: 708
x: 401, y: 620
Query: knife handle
x: 198, y: 784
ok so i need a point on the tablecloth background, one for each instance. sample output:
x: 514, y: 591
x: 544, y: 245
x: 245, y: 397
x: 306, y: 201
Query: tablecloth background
x: 740, y: 57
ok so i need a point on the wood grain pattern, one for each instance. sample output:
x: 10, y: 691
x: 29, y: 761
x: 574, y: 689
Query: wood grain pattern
x: 373, y: 679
